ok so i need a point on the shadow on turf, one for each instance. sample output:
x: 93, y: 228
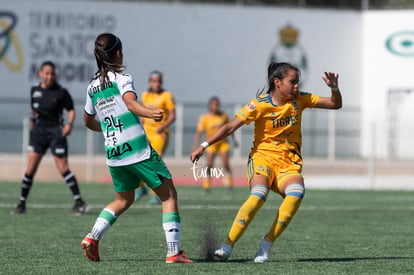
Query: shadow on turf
x: 314, y: 260
x: 352, y: 259
x: 235, y: 261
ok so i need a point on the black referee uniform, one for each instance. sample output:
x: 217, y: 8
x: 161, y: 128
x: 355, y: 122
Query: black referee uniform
x: 48, y: 105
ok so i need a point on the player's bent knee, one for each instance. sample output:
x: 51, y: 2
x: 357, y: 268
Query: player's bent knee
x: 260, y: 191
x: 295, y: 190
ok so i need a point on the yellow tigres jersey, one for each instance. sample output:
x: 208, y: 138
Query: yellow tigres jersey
x: 163, y: 100
x: 211, y: 122
x: 277, y: 129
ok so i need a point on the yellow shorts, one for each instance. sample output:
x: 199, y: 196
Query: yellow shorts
x: 276, y: 171
x: 219, y: 147
x: 158, y: 142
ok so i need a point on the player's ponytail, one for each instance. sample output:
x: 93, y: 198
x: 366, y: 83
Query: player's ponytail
x: 106, y: 47
x: 276, y: 70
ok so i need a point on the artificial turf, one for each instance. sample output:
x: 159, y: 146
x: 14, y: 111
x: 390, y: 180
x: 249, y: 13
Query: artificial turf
x: 334, y: 232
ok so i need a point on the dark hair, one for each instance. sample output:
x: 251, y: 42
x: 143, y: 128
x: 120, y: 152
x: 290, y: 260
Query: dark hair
x: 156, y: 73
x: 48, y: 63
x: 212, y: 99
x: 277, y: 70
x: 106, y: 47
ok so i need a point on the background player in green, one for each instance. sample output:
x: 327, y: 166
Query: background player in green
x: 48, y: 100
x: 112, y: 99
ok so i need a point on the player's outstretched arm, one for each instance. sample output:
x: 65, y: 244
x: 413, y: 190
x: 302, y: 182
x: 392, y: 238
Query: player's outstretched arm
x: 223, y: 132
x: 138, y: 109
x: 335, y: 101
x: 91, y: 122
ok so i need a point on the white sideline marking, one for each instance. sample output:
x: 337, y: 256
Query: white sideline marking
x: 216, y: 207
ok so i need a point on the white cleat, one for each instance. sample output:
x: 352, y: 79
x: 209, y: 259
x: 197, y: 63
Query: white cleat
x: 223, y: 253
x: 263, y: 254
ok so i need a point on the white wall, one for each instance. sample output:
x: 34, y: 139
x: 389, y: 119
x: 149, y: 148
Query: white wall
x: 383, y: 70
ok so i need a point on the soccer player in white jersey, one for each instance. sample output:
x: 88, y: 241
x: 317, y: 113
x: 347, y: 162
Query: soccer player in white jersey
x: 112, y: 107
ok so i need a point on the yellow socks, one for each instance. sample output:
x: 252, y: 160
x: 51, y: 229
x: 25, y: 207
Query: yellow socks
x: 228, y: 181
x: 207, y: 184
x: 290, y: 205
x: 247, y: 212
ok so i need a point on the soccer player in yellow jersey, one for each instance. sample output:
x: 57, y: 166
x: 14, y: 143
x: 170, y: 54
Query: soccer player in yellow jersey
x: 157, y: 132
x: 210, y: 123
x: 275, y: 160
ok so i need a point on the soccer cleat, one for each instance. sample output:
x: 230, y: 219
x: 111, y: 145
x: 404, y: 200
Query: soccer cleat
x: 79, y: 208
x: 140, y: 192
x: 154, y: 200
x: 223, y: 253
x: 20, y: 209
x: 178, y: 259
x: 91, y: 248
x: 263, y: 254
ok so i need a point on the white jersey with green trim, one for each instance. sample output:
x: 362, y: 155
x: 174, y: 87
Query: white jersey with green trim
x: 125, y: 139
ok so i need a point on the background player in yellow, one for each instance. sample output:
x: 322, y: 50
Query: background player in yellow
x: 275, y: 160
x: 210, y: 123
x: 157, y: 132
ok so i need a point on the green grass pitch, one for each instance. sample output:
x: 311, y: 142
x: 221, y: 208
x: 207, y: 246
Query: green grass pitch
x: 335, y: 232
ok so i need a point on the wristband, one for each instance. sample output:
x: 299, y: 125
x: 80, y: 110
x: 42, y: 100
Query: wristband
x: 204, y: 144
x: 335, y: 89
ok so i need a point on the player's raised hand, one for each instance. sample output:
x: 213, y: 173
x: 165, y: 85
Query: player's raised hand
x: 331, y: 79
x: 197, y: 153
x: 158, y: 114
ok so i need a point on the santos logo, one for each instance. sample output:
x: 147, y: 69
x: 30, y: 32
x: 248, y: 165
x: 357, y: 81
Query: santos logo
x: 401, y: 43
x: 9, y: 42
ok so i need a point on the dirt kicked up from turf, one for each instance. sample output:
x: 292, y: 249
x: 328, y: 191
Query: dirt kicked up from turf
x: 208, y: 239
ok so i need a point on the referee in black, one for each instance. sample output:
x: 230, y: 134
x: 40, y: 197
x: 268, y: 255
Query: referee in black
x: 48, y: 131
